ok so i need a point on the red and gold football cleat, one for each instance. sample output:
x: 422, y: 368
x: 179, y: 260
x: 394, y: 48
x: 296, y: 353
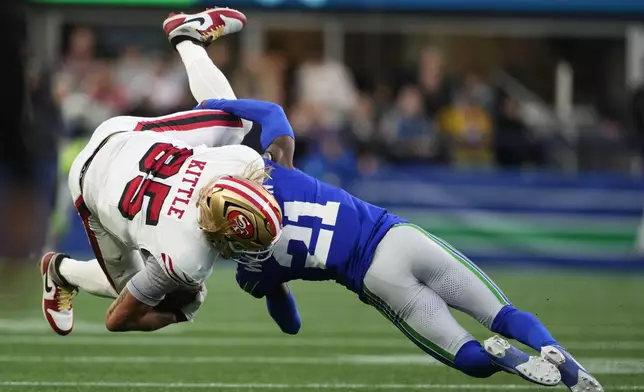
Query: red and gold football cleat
x: 204, y: 27
x: 56, y: 300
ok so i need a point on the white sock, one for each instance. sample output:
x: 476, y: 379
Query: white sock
x: 206, y: 80
x: 87, y: 276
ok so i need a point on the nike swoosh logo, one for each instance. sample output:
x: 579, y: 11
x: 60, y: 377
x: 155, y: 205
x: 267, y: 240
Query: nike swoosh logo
x: 200, y: 20
x: 48, y: 288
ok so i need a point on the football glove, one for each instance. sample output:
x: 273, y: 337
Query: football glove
x: 251, y: 282
x: 191, y: 309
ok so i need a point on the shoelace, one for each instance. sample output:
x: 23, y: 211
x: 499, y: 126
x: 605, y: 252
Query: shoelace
x: 64, y: 299
x: 215, y: 33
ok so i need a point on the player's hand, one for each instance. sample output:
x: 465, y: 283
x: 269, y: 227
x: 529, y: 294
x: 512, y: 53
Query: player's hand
x: 191, y: 309
x: 251, y: 282
x: 268, y: 114
x: 207, y: 104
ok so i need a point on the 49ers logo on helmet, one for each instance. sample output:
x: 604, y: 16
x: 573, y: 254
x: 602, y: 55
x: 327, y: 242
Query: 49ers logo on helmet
x: 241, y: 225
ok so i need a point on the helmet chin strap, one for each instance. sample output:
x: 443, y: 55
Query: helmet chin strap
x: 249, y: 265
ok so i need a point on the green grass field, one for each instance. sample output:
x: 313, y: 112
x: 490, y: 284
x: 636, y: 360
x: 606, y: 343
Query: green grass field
x: 343, y: 345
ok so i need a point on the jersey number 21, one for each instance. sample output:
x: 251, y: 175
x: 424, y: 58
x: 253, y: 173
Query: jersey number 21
x: 294, y: 230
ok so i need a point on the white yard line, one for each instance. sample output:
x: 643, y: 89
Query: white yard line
x: 278, y: 341
x: 282, y: 360
x: 37, y: 325
x: 205, y: 385
x: 594, y: 365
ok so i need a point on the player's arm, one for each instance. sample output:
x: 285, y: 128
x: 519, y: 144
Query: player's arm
x: 281, y: 306
x: 282, y: 151
x: 277, y: 136
x: 127, y: 313
x: 135, y: 308
x: 280, y: 301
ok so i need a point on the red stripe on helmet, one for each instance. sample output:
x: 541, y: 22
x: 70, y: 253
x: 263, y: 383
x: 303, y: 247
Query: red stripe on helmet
x: 274, y: 225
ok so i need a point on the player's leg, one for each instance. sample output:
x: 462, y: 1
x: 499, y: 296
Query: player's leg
x: 391, y: 285
x: 86, y: 275
x: 190, y: 34
x: 424, y: 318
x: 103, y: 276
x: 465, y: 287
x: 190, y: 38
x: 63, y: 276
x: 107, y: 274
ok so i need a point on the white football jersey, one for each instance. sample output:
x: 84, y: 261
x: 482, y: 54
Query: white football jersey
x: 144, y: 188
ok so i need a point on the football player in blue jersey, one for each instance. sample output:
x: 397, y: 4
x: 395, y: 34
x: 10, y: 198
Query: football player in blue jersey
x: 411, y: 276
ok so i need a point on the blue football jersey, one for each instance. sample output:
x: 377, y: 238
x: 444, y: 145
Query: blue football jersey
x: 328, y: 234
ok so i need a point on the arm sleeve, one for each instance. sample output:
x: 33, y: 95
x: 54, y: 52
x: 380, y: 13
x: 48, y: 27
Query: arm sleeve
x: 151, y: 284
x: 283, y: 310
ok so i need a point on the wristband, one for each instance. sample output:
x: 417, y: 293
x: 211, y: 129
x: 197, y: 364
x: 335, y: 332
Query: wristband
x: 268, y: 155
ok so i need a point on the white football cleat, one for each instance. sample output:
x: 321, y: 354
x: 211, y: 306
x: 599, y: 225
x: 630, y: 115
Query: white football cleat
x: 515, y: 361
x: 56, y: 300
x: 204, y: 27
x: 573, y: 375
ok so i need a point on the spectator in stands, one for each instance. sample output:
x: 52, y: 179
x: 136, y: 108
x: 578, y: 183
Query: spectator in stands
x: 307, y: 123
x: 468, y: 128
x: 368, y: 164
x: 362, y: 131
x: 79, y: 60
x: 514, y: 143
x: 409, y: 133
x: 261, y: 76
x: 101, y: 86
x: 328, y: 85
x: 49, y: 129
x: 81, y: 112
x: 480, y: 92
x: 220, y: 54
x: 47, y: 121
x: 432, y: 80
x: 332, y: 161
x: 159, y: 85
x: 637, y: 113
x: 129, y: 66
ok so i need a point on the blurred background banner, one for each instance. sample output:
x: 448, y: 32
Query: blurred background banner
x: 510, y: 217
x: 582, y: 6
x: 504, y: 217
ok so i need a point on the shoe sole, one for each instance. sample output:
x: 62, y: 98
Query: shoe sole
x: 536, y: 370
x: 43, y: 274
x: 585, y: 382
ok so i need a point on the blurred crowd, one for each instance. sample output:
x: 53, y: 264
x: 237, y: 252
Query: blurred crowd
x: 426, y: 116
x: 346, y: 128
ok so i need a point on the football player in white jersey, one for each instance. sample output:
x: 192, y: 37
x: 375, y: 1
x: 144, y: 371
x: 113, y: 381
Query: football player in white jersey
x: 146, y: 198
